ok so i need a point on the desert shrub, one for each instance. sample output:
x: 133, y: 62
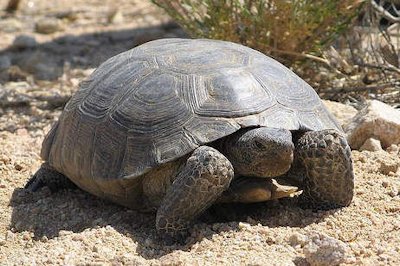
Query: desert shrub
x: 284, y: 29
x: 365, y: 59
x: 346, y: 49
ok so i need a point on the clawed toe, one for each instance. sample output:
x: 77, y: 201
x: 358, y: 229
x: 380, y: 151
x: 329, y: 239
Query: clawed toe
x: 34, y: 184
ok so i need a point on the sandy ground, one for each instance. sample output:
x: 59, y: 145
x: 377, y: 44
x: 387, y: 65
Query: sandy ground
x: 75, y: 228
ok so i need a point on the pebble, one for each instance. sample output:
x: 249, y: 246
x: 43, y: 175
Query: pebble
x: 5, y: 62
x: 115, y: 17
x: 10, y: 25
x: 78, y: 237
x: 323, y: 250
x: 48, y: 25
x: 244, y: 226
x: 388, y: 166
x: 385, y: 184
x: 393, y: 192
x: 393, y: 149
x: 298, y: 239
x: 64, y: 233
x: 371, y: 144
x: 5, y: 159
x: 39, y: 64
x: 96, y: 248
x: 26, y: 236
x: 18, y: 166
x: 24, y: 41
x: 10, y: 236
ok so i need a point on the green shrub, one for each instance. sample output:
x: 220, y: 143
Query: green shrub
x: 282, y: 28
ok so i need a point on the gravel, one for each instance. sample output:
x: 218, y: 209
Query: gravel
x: 74, y: 228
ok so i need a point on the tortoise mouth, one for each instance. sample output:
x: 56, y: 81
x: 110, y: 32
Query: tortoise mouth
x: 274, y: 167
x: 271, y: 172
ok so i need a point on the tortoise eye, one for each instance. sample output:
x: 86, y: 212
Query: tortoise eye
x: 259, y: 144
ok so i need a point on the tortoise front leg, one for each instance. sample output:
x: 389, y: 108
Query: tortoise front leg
x: 329, y: 178
x: 206, y: 174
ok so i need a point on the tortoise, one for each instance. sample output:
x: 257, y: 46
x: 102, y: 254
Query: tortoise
x: 176, y: 125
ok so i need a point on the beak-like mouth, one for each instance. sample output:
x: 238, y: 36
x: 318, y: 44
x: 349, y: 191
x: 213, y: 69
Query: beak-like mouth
x: 273, y: 170
x: 276, y: 167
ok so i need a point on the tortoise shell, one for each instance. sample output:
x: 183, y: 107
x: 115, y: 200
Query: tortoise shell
x: 159, y: 101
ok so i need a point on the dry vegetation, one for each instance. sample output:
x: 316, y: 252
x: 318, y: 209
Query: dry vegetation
x: 343, y: 48
x: 284, y: 29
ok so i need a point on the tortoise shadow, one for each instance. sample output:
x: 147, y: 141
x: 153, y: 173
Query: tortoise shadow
x: 47, y: 214
x: 82, y: 51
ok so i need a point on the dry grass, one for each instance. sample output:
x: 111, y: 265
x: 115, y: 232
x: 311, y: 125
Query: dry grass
x: 283, y: 29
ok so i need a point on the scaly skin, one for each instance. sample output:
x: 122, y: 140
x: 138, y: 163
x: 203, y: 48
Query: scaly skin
x: 47, y: 176
x: 259, y: 152
x: 202, y: 180
x: 329, y: 177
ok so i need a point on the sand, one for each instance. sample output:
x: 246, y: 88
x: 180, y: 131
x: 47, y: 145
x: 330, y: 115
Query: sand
x: 74, y: 228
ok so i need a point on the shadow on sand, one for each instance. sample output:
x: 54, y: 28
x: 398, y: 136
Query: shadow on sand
x: 46, y: 214
x: 46, y: 61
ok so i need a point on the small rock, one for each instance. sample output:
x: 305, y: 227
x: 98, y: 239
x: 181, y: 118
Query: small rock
x: 18, y: 166
x: 389, y: 165
x: 385, y: 184
x: 5, y: 62
x: 64, y: 233
x: 343, y: 113
x: 115, y: 17
x: 26, y: 236
x: 371, y: 144
x: 324, y: 250
x: 376, y: 120
x: 78, y: 237
x: 48, y: 25
x: 393, y: 149
x: 70, y: 15
x: 15, y: 94
x: 393, y: 192
x: 96, y: 248
x: 244, y: 226
x: 10, y: 25
x: 40, y: 65
x: 24, y: 41
x: 10, y: 236
x: 298, y: 239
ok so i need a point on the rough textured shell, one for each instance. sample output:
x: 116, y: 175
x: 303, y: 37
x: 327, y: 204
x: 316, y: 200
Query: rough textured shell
x: 161, y: 100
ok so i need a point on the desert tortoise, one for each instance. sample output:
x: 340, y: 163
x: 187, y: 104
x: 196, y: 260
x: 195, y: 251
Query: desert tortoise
x: 176, y: 125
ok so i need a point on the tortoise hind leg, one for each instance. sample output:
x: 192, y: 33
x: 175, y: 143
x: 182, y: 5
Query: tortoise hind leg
x: 206, y: 174
x: 329, y: 177
x: 46, y: 176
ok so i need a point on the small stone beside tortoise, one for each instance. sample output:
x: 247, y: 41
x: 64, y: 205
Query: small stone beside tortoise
x: 176, y: 125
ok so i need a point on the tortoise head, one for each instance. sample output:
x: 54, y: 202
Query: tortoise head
x: 260, y: 152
